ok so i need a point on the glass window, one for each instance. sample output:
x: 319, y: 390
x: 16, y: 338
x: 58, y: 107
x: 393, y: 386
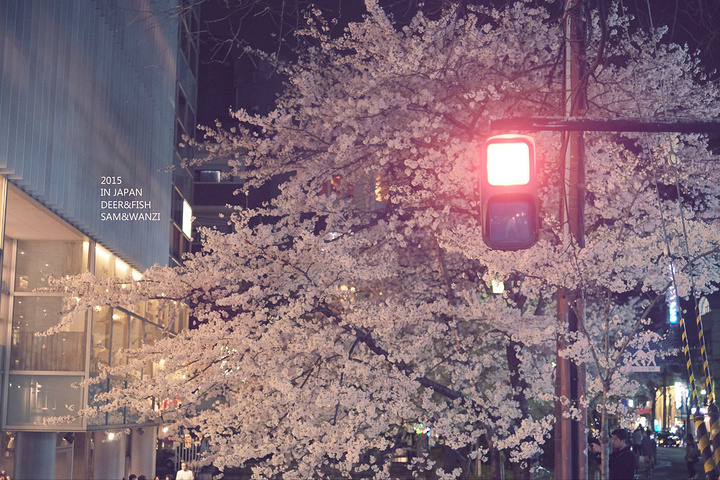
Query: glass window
x: 34, y: 398
x: 176, y: 207
x: 212, y: 176
x: 152, y: 334
x: 6, y: 265
x: 101, y: 328
x: 62, y: 351
x: 183, y: 317
x: 104, y: 263
x: 119, y: 334
x: 122, y: 269
x: 94, y: 389
x: 37, y: 260
x: 5, y: 302
x: 136, y: 333
x: 118, y: 416
x: 156, y: 313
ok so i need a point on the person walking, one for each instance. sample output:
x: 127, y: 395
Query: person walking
x: 637, y: 438
x: 649, y: 449
x: 594, y: 459
x: 622, y: 459
x: 692, y: 455
x: 184, y: 473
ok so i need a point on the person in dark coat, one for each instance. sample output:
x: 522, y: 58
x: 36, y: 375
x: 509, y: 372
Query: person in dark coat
x: 692, y: 455
x: 594, y: 458
x: 622, y: 459
x: 649, y: 448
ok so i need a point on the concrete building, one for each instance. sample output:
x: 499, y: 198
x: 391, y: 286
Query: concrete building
x: 93, y: 97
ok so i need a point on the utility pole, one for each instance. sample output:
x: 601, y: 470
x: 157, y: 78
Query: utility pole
x: 571, y: 445
x: 570, y: 437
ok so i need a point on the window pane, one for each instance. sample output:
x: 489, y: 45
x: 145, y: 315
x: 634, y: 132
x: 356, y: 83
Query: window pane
x: 101, y: 327
x: 118, y: 416
x: 208, y: 176
x: 122, y: 269
x: 93, y: 390
x: 136, y: 333
x: 155, y: 313
x: 33, y: 398
x: 63, y: 351
x: 104, y: 263
x: 6, y: 264
x: 119, y: 335
x: 152, y: 334
x: 36, y: 260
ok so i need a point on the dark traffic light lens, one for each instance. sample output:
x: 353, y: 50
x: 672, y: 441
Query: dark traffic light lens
x: 512, y: 223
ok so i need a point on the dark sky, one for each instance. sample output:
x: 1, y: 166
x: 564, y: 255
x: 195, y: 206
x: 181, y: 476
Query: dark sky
x: 228, y: 25
x: 227, y: 28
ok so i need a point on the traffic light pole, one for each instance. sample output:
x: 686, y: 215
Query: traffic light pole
x: 584, y: 124
x: 570, y: 437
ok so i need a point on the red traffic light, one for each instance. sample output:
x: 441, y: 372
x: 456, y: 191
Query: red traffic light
x: 510, y: 207
x: 508, y: 162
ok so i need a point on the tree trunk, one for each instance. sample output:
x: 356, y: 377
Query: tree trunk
x: 422, y: 451
x: 521, y: 471
x: 496, y: 463
x: 604, y: 438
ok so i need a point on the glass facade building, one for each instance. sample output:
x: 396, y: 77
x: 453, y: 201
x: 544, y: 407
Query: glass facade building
x: 94, y: 95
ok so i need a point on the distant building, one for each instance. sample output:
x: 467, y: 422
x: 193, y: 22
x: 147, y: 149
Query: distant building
x: 94, y: 95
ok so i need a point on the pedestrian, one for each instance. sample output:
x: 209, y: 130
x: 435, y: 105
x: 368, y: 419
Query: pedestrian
x: 622, y: 459
x: 637, y: 438
x: 594, y: 458
x: 184, y: 473
x: 649, y: 449
x: 692, y: 455
x: 3, y: 475
x: 168, y: 477
x: 132, y: 477
x: 142, y: 477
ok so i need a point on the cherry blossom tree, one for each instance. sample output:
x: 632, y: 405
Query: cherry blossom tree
x: 355, y: 306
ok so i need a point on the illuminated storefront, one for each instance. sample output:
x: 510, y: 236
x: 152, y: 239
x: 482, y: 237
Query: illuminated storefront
x: 671, y: 408
x: 42, y: 374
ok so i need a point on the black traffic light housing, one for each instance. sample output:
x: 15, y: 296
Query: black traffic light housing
x: 508, y: 187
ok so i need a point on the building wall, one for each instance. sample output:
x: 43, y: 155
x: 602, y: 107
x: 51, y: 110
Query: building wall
x: 181, y: 225
x: 87, y: 94
x: 89, y: 110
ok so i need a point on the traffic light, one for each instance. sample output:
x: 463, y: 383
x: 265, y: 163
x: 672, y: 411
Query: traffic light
x: 510, y: 206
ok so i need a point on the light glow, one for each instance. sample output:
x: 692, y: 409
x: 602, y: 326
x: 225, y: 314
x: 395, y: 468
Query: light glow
x: 671, y: 298
x: 508, y: 163
x: 187, y: 219
x: 680, y: 394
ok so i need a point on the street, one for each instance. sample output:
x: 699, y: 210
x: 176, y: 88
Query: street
x: 670, y: 465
